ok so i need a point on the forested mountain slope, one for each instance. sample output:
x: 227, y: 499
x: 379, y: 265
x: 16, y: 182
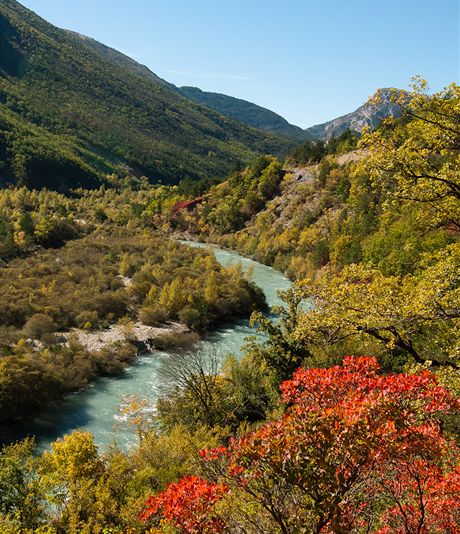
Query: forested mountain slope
x: 245, y: 112
x: 73, y: 111
x: 382, y: 222
x: 296, y: 436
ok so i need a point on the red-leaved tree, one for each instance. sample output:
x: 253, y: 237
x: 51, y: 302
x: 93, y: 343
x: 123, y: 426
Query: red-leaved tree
x: 188, y: 506
x: 356, y: 451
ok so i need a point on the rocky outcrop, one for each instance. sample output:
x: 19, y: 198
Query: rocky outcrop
x: 369, y: 114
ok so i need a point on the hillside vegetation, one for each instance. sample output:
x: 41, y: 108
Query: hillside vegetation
x: 370, y: 114
x: 372, y: 234
x: 73, y: 111
x: 305, y: 432
x: 245, y: 112
x: 87, y: 263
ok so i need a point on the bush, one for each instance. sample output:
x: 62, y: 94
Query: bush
x: 38, y: 325
x: 191, y: 317
x: 87, y: 319
x: 153, y: 315
x: 176, y: 340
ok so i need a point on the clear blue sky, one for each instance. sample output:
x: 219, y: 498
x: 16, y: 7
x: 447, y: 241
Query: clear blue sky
x: 308, y: 60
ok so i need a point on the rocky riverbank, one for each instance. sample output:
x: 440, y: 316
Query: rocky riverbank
x: 144, y: 337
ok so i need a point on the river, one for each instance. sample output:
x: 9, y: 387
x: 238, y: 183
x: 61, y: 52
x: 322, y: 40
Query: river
x: 95, y: 409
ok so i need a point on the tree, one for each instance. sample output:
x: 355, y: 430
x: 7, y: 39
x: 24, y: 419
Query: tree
x: 192, y: 387
x: 188, y: 505
x: 417, y: 159
x: 211, y: 288
x: 353, y: 449
x: 21, y: 498
x: 172, y: 296
x: 284, y: 351
x: 422, y: 498
x: 38, y: 325
x: 70, y: 472
x: 309, y: 152
x: 270, y: 178
x: 419, y: 315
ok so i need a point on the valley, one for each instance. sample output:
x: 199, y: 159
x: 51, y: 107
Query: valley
x: 96, y: 409
x: 211, y: 320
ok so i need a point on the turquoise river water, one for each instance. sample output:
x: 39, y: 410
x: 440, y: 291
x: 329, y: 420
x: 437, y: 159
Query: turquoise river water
x: 95, y: 409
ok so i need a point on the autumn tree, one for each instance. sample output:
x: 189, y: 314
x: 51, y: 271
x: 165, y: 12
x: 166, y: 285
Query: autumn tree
x: 354, y: 449
x: 417, y: 314
x: 70, y: 473
x: 417, y: 159
x: 188, y: 505
x: 211, y: 288
x: 22, y: 501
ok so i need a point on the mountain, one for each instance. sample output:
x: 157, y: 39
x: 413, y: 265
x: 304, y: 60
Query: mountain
x: 245, y: 112
x: 369, y: 114
x: 74, y: 111
x: 120, y: 59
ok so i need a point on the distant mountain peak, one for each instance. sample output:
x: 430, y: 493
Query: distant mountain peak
x: 376, y: 108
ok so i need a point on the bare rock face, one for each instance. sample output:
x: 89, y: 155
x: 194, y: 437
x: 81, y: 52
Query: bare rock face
x: 369, y: 114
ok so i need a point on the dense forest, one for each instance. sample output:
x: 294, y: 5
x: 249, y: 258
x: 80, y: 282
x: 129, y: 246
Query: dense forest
x: 73, y: 112
x: 306, y: 432
x: 245, y: 112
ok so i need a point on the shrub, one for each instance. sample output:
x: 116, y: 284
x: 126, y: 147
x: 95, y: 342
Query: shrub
x: 38, y: 325
x: 191, y: 317
x: 153, y: 315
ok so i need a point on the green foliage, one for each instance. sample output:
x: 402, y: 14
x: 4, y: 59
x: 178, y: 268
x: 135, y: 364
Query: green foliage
x: 346, y: 141
x: 367, y: 206
x: 30, y: 379
x: 283, y: 352
x: 36, y: 218
x: 21, y: 501
x: 77, y: 489
x: 201, y: 390
x: 112, y: 268
x: 417, y: 158
x: 245, y: 112
x: 314, y: 151
x: 370, y: 230
x: 418, y: 315
x: 229, y: 205
x: 377, y: 261
x: 73, y: 111
x: 309, y: 152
